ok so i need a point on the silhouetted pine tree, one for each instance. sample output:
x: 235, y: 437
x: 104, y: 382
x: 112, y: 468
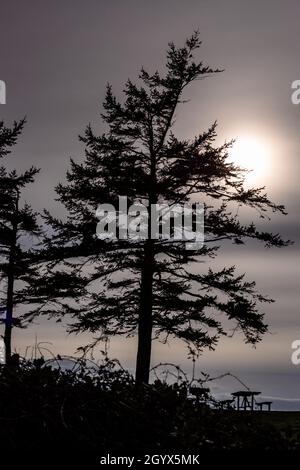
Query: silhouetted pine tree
x: 17, y: 225
x: 154, y: 288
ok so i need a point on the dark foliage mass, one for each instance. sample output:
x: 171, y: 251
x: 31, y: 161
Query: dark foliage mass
x: 88, y: 414
x: 18, y: 224
x: 148, y: 287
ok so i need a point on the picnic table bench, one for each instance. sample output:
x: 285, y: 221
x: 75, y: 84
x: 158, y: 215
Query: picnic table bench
x: 245, y: 399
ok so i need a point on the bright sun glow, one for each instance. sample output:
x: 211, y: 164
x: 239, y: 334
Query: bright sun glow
x: 252, y: 154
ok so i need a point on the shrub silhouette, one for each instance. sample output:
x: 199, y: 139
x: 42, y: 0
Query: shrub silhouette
x: 88, y: 414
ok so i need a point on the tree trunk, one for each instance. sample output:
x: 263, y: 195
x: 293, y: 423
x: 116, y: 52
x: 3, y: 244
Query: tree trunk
x: 145, y: 322
x: 145, y: 317
x: 10, y: 288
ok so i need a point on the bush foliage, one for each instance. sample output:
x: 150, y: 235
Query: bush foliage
x: 89, y: 413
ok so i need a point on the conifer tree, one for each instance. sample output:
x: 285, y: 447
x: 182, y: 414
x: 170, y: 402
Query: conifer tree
x: 18, y: 224
x: 154, y: 288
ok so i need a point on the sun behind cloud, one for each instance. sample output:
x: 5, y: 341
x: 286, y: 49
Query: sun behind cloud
x: 253, y: 154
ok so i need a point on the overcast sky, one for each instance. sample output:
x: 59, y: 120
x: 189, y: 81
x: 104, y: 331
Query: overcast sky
x: 56, y: 58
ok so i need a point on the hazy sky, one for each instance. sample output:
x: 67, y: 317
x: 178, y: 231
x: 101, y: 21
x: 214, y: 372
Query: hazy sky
x: 56, y: 58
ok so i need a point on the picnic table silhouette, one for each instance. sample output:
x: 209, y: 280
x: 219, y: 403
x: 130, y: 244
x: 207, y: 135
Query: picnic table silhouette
x: 245, y: 399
